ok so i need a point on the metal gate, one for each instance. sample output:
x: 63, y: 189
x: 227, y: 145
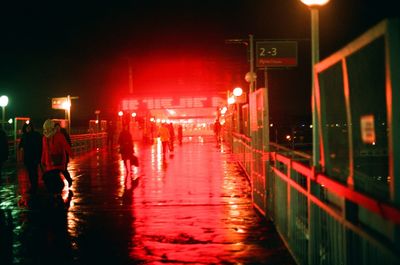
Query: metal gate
x: 260, y: 141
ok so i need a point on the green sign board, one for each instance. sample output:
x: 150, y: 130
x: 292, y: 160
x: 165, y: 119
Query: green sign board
x: 276, y: 54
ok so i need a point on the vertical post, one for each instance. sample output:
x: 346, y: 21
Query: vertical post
x: 314, y: 60
x: 266, y: 141
x: 313, y: 214
x: 3, y: 120
x: 69, y: 113
x: 266, y: 145
x: 15, y: 139
x: 130, y: 77
x: 251, y: 53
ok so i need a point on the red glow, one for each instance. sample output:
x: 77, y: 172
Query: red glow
x: 173, y: 75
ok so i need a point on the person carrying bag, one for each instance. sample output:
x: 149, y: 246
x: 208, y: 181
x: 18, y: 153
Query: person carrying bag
x: 54, y: 159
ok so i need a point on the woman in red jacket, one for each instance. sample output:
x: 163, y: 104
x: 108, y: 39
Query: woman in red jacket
x: 54, y: 159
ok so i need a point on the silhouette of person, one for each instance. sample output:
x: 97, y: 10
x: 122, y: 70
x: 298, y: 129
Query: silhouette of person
x: 4, y: 148
x: 180, y: 133
x: 125, y: 143
x: 164, y: 135
x: 31, y: 145
x: 54, y: 158
x: 217, y: 130
x: 171, y: 136
x: 64, y: 132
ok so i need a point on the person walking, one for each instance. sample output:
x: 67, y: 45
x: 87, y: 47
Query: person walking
x: 217, y: 131
x: 164, y: 135
x: 171, y: 136
x: 4, y: 148
x: 180, y: 134
x: 125, y: 143
x: 65, y: 172
x: 31, y: 146
x: 55, y: 149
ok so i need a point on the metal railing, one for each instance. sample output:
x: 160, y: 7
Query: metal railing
x: 312, y: 212
x: 81, y: 143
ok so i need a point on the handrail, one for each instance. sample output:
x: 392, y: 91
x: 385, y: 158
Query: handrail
x: 299, y: 177
x: 383, y: 209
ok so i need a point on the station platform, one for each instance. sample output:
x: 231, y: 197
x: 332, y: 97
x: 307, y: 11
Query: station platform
x: 192, y: 206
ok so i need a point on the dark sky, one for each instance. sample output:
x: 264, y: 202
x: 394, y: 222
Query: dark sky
x: 81, y: 48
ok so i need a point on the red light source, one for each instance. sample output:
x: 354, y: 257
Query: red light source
x: 120, y: 113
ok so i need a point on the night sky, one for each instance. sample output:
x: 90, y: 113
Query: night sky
x: 83, y: 48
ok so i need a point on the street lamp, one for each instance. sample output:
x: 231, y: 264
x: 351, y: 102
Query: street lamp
x: 3, y: 104
x: 314, y: 4
x: 237, y: 92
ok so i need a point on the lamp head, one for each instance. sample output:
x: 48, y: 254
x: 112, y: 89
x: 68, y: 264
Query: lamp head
x: 3, y: 101
x: 314, y: 3
x: 238, y: 91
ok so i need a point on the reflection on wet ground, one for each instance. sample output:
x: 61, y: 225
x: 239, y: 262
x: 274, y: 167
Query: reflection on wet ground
x: 190, y: 207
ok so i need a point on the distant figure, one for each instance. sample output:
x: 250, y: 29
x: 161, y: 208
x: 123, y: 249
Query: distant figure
x: 65, y: 172
x: 54, y: 159
x: 180, y: 133
x: 171, y: 136
x: 164, y: 135
x: 217, y: 130
x: 125, y: 143
x: 4, y: 149
x: 31, y: 145
x: 110, y: 134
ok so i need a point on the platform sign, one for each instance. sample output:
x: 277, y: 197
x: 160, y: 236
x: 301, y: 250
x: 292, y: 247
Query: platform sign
x: 276, y: 54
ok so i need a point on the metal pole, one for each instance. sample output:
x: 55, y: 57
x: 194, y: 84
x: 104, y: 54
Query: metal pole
x: 130, y: 77
x: 266, y: 141
x: 314, y: 60
x: 313, y: 216
x: 3, y: 120
x: 69, y: 113
x: 251, y: 53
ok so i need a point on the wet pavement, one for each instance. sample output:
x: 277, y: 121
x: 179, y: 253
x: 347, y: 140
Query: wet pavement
x: 190, y: 207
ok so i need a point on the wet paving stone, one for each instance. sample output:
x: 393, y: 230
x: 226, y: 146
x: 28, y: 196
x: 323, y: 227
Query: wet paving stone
x: 190, y: 207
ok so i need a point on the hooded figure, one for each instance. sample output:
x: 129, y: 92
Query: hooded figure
x: 54, y: 159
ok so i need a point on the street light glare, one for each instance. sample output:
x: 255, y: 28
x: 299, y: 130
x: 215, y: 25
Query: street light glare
x: 66, y: 105
x: 314, y: 2
x: 3, y: 101
x: 238, y: 91
x: 231, y: 100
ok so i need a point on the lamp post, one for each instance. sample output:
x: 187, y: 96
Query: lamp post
x: 314, y: 4
x: 3, y: 104
x: 237, y: 93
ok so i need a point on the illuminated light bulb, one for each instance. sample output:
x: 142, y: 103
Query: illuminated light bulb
x: 238, y: 91
x: 314, y: 2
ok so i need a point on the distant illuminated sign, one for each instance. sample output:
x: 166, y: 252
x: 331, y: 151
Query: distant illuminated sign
x: 59, y: 103
x: 367, y: 126
x: 171, y: 103
x: 276, y: 53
